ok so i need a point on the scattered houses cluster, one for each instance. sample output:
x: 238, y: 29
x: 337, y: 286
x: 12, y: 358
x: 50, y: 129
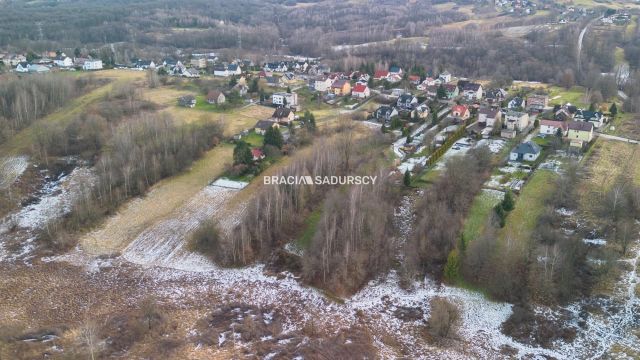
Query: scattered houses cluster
x: 47, y: 61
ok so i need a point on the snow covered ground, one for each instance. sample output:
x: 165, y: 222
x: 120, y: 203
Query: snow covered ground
x: 52, y: 202
x: 164, y: 243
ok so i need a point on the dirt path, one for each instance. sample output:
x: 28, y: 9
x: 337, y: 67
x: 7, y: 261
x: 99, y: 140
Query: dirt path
x: 164, y: 198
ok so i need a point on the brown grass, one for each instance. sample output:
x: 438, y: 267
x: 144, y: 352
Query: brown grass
x: 162, y: 199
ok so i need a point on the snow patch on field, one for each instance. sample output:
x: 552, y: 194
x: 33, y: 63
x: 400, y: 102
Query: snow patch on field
x: 164, y: 243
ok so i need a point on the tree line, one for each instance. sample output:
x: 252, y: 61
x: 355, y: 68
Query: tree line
x: 23, y: 100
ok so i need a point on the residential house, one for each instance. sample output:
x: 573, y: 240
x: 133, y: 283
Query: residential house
x: 495, y: 96
x: 22, y: 67
x: 445, y: 77
x: 516, y: 120
x: 234, y: 69
x: 190, y: 72
x: 187, y: 101
x: 537, y: 102
x: 341, y: 87
x: 257, y: 154
x: 285, y: 99
x: 63, y: 61
x: 551, y: 127
x: 360, y: 91
x: 92, y: 64
x: 420, y: 112
x: 14, y: 59
x: 472, y: 91
x: 414, y: 79
x: 275, y: 81
x: 283, y: 115
x: 322, y: 83
x: 406, y: 101
x: 380, y: 75
x: 527, y: 151
x: 144, y: 64
x: 488, y: 117
x: 385, y: 113
x: 216, y: 97
x: 451, y: 91
x: 394, y: 78
x: 220, y: 70
x: 517, y: 103
x: 276, y: 67
x: 395, y: 70
x: 262, y: 126
x: 595, y: 117
x: 460, y: 111
x: 199, y: 62
x: 579, y: 132
x: 429, y: 82
x: 169, y: 63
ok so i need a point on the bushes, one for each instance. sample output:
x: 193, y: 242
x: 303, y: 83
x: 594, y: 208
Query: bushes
x: 442, y: 209
x: 206, y: 240
x: 444, y: 319
x: 351, y: 242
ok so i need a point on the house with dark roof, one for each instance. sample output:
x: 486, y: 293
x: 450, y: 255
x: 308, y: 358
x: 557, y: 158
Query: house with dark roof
x: 216, y: 97
x: 283, y: 115
x: 489, y: 116
x: 275, y: 81
x: 527, y: 151
x: 385, y: 113
x: 22, y: 67
x: 262, y: 126
x: 406, y: 101
x: 495, y: 96
x: 595, y: 117
x: 144, y: 64
x: 516, y: 103
x: 472, y: 91
x: 579, y: 132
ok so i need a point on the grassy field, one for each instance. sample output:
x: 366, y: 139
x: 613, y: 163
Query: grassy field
x: 254, y: 139
x: 521, y: 222
x: 160, y: 201
x: 478, y: 215
x: 607, y: 161
x: 559, y: 95
x: 234, y: 121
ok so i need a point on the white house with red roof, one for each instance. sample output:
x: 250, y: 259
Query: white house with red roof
x: 360, y: 91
